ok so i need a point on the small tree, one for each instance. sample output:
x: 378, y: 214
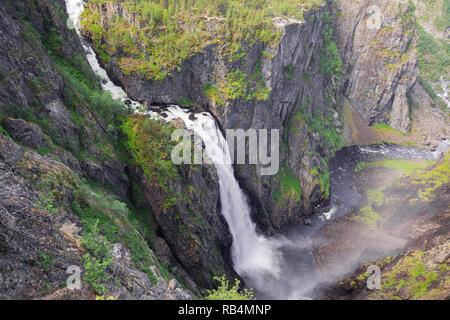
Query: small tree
x: 225, y: 292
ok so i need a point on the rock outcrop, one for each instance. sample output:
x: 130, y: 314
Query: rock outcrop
x: 192, y: 226
x: 26, y: 133
x: 377, y: 41
x: 34, y: 92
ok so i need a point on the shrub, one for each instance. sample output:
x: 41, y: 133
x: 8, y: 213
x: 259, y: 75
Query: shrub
x: 46, y: 260
x: 330, y: 60
x: 227, y: 292
x: 106, y: 221
x: 95, y: 272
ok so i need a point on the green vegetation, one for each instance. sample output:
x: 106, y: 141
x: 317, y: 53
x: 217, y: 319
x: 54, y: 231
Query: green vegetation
x: 95, y: 272
x: 386, y: 129
x: 377, y: 197
x: 239, y: 85
x: 4, y: 132
x: 368, y: 217
x: 46, y: 260
x: 321, y: 123
x: 86, y: 91
x: 429, y: 89
x: 432, y: 179
x: 330, y: 60
x: 186, y: 102
x: 51, y: 193
x: 213, y: 94
x: 107, y: 221
x: 360, y: 166
x: 324, y: 178
x: 434, y: 56
x: 290, y: 189
x: 150, y: 145
x: 407, y: 167
x: 227, y: 292
x: 410, y: 276
x: 171, y: 31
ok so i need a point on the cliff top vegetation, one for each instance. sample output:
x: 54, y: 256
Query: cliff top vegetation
x: 161, y: 34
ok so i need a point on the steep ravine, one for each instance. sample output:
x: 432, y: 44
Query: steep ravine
x: 299, y: 89
x: 291, y: 72
x: 294, y: 78
x: 86, y: 181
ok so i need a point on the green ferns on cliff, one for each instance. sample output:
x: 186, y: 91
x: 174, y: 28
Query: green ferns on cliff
x: 168, y: 32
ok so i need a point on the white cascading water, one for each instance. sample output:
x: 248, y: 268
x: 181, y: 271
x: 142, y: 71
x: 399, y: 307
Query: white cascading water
x: 74, y: 10
x: 254, y: 256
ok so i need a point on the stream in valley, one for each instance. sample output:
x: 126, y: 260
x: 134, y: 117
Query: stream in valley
x: 282, y: 266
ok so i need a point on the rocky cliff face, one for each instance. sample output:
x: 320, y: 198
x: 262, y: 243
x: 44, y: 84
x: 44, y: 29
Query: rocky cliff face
x: 32, y: 88
x: 290, y: 70
x: 61, y: 173
x: 377, y: 41
x: 40, y: 238
x: 186, y: 209
x: 379, y: 64
x: 407, y: 236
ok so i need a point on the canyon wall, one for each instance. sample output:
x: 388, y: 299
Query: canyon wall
x: 304, y: 101
x: 71, y: 128
x: 290, y: 70
x: 377, y: 41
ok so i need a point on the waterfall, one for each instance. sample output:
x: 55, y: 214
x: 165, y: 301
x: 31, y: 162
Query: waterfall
x: 254, y: 256
x: 74, y: 10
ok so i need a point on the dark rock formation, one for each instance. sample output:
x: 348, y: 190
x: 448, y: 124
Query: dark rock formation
x: 40, y: 234
x: 26, y: 133
x: 193, y: 227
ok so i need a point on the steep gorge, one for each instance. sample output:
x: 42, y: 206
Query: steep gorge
x: 306, y: 82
